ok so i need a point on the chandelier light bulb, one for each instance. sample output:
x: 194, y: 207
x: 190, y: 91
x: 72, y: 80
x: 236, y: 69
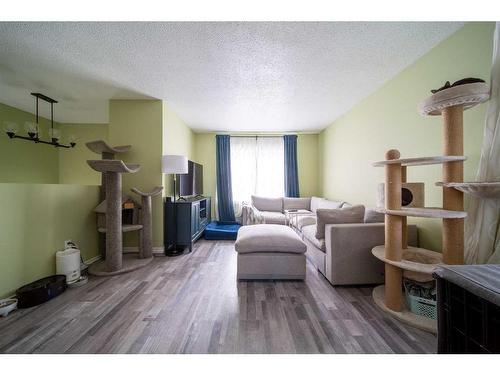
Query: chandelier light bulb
x: 11, y: 128
x: 32, y: 129
x: 54, y: 135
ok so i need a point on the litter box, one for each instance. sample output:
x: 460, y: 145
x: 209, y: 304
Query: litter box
x: 40, y: 291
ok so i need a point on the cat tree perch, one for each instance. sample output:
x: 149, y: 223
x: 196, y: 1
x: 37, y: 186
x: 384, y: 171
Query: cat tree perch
x: 399, y: 258
x: 107, y: 153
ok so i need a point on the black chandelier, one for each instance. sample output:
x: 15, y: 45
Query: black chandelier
x: 33, y: 129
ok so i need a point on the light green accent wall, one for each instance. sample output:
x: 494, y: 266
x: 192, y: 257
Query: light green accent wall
x: 388, y: 119
x: 139, y: 123
x: 204, y: 154
x: 178, y: 139
x: 23, y: 161
x: 35, y: 220
x: 307, y: 155
x: 307, y: 160
x: 73, y: 167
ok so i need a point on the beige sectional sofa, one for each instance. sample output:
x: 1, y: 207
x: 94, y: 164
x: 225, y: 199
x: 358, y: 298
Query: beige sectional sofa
x: 344, y: 255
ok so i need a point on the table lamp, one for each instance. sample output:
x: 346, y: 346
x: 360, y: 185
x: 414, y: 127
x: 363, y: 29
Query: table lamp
x: 174, y: 164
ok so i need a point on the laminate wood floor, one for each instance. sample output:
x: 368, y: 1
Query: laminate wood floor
x: 193, y: 304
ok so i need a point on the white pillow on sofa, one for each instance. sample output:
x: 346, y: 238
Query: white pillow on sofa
x: 267, y: 204
x: 330, y: 205
x: 315, y: 202
x: 297, y: 204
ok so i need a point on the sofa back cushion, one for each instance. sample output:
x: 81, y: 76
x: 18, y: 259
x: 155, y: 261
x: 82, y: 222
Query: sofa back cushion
x: 267, y: 204
x: 297, y: 204
x: 330, y: 205
x: 372, y: 216
x: 315, y: 201
x: 354, y: 214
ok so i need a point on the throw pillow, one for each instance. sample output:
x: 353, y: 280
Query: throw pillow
x: 296, y: 204
x: 267, y: 204
x: 354, y: 214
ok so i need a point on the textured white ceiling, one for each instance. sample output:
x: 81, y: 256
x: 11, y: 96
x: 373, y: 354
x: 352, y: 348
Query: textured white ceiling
x: 238, y: 76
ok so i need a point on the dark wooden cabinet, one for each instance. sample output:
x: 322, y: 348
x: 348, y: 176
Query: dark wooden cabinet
x: 185, y: 221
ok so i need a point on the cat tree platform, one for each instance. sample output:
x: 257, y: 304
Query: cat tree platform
x: 100, y: 147
x: 116, y: 166
x: 430, y: 212
x: 415, y: 259
x: 427, y: 160
x: 125, y: 228
x: 130, y: 262
x: 405, y: 315
x: 463, y: 96
x: 484, y: 190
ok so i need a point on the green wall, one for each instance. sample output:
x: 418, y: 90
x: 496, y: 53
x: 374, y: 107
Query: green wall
x: 73, y: 167
x: 139, y: 123
x: 26, y: 162
x: 35, y: 220
x: 388, y: 119
x: 204, y: 153
x: 23, y: 161
x: 178, y: 139
x: 307, y: 155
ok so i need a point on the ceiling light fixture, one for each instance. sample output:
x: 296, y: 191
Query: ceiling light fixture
x: 33, y: 128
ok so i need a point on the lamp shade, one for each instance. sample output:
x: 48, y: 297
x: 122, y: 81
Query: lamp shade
x: 174, y: 164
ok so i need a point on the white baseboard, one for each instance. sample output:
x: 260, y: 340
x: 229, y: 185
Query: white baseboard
x: 157, y: 250
x: 82, y: 266
x: 90, y: 262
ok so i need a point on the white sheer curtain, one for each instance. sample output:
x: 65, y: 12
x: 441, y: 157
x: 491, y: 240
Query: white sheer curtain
x: 257, y: 168
x: 482, y: 230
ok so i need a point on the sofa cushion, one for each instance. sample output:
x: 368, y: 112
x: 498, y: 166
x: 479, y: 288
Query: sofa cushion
x: 309, y: 233
x: 299, y: 221
x: 354, y: 214
x: 296, y: 204
x: 271, y: 217
x: 268, y: 238
x: 267, y: 204
x: 372, y: 216
x: 315, y: 201
x: 346, y: 204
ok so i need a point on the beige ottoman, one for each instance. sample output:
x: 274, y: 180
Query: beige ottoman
x: 270, y: 251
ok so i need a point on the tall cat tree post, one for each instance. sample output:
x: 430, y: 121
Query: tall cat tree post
x: 146, y: 247
x: 453, y: 144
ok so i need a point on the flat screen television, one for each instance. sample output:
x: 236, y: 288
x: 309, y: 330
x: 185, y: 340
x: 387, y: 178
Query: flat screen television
x: 191, y: 183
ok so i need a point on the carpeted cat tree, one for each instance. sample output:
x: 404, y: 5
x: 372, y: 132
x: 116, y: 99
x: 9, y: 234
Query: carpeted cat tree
x: 113, y: 227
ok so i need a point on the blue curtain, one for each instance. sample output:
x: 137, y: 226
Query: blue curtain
x: 291, y: 169
x: 224, y: 186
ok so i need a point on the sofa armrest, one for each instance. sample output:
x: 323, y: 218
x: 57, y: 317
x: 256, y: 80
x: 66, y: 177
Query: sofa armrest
x: 349, y: 259
x: 250, y: 214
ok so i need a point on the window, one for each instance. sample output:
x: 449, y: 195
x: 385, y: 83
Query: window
x: 257, y: 168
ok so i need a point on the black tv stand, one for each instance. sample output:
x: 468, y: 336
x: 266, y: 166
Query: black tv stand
x: 184, y: 222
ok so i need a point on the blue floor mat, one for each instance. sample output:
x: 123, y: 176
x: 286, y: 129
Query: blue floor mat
x: 218, y: 230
